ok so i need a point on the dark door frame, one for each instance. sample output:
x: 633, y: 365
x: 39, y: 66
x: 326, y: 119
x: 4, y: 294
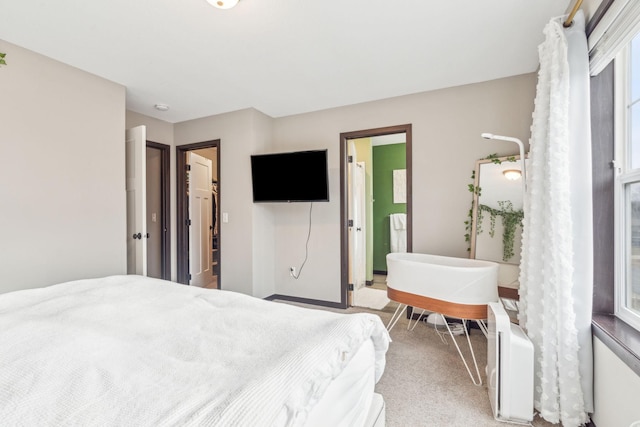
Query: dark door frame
x: 344, y: 202
x: 165, y: 238
x: 182, y: 209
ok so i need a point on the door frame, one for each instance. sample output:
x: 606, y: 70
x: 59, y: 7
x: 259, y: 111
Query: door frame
x: 165, y: 197
x: 344, y: 202
x: 182, y: 209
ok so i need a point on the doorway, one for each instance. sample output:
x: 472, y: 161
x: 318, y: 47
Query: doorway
x: 199, y: 242
x: 157, y: 211
x: 368, y: 212
x: 147, y: 183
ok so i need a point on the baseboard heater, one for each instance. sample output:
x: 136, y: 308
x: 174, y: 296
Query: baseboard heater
x: 509, y: 368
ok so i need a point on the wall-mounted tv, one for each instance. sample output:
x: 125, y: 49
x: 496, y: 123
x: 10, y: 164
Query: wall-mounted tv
x: 299, y: 176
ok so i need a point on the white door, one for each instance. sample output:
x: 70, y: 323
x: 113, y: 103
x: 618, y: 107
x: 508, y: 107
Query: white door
x: 357, y: 218
x: 200, y: 215
x: 136, y: 185
x: 359, y: 225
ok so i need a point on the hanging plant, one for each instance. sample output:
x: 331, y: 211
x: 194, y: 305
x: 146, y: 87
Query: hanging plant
x: 469, y: 222
x: 511, y: 219
x: 2, y: 61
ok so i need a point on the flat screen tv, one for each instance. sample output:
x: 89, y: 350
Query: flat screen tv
x: 299, y: 176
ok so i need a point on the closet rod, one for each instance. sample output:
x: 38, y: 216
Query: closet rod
x: 575, y: 9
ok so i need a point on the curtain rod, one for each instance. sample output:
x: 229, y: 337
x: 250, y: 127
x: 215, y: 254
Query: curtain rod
x: 575, y: 9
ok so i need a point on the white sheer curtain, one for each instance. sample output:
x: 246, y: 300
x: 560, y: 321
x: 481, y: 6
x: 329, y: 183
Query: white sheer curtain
x: 556, y: 278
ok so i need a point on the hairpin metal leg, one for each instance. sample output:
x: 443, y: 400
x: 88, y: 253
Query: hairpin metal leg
x: 417, y: 321
x: 477, y: 381
x: 396, y: 316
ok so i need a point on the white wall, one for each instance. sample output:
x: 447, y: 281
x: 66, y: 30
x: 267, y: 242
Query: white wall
x: 261, y: 241
x: 157, y: 130
x: 62, y: 183
x: 264, y: 219
x: 616, y: 389
x: 446, y: 127
x: 241, y: 134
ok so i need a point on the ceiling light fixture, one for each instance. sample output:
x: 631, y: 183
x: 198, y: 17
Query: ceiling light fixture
x: 223, y: 4
x: 161, y: 107
x: 512, y: 174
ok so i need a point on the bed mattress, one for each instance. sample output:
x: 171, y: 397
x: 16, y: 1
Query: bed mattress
x: 348, y: 398
x: 127, y: 350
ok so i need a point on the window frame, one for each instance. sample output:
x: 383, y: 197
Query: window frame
x: 625, y: 177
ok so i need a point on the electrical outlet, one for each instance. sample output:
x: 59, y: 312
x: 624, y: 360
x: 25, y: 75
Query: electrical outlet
x: 292, y: 271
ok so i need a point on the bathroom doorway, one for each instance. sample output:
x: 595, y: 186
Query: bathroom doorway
x: 375, y: 186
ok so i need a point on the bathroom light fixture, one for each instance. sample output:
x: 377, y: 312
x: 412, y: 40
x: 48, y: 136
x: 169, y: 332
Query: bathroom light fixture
x: 520, y: 145
x: 223, y: 4
x: 161, y: 107
x: 512, y: 174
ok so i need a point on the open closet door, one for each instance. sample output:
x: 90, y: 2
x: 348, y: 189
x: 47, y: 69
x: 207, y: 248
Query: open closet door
x: 200, y: 217
x: 136, y: 187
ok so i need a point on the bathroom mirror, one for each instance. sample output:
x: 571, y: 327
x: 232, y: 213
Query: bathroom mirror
x: 496, y: 217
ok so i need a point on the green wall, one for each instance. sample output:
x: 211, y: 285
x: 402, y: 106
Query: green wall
x: 386, y: 158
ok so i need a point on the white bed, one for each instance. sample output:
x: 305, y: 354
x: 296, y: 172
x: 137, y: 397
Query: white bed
x: 129, y: 350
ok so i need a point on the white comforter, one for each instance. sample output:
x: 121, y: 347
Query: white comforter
x: 133, y: 351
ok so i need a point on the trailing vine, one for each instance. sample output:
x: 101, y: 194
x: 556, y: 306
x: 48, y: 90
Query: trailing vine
x: 510, y: 219
x: 469, y: 222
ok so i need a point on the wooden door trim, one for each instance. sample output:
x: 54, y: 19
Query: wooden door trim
x: 165, y: 197
x: 344, y: 229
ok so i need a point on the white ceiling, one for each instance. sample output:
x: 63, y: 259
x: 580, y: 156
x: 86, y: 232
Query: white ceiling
x: 281, y: 57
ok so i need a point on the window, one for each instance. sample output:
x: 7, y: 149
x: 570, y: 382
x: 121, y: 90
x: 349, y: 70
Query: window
x: 627, y: 299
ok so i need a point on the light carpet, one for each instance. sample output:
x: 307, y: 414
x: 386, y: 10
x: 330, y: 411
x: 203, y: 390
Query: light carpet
x: 425, y: 382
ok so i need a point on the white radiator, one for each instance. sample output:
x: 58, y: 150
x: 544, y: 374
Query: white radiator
x: 509, y: 368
